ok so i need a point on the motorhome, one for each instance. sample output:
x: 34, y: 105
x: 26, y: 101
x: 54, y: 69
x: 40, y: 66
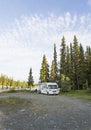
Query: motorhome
x: 48, y: 88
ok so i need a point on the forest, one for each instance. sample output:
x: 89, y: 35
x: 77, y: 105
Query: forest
x: 73, y: 71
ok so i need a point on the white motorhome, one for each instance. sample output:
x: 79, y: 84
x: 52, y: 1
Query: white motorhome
x: 48, y: 88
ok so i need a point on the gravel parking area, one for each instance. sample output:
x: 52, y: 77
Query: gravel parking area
x: 44, y: 112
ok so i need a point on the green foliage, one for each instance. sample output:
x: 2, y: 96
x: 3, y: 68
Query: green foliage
x: 30, y: 78
x: 44, y: 71
x: 88, y: 64
x: 67, y: 63
x: 7, y: 82
x: 52, y: 72
x: 83, y: 94
x: 74, y: 63
x: 12, y: 91
x: 63, y: 57
x: 65, y: 84
x: 85, y: 85
x: 54, y: 69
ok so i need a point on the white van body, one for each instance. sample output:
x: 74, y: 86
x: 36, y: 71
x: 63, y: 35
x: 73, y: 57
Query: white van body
x: 48, y: 88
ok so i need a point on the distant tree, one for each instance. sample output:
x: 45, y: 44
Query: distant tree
x: 44, y: 71
x: 30, y: 78
x: 7, y: 82
x: 2, y: 80
x: 11, y: 82
x: 24, y: 84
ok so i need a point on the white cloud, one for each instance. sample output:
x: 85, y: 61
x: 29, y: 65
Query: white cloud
x: 28, y: 38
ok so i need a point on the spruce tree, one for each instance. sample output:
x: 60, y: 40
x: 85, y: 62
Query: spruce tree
x: 76, y: 59
x: 63, y: 57
x: 44, y: 71
x: 67, y: 63
x: 71, y: 63
x: 30, y: 78
x: 54, y: 70
x: 88, y: 64
x: 81, y: 73
x: 55, y: 63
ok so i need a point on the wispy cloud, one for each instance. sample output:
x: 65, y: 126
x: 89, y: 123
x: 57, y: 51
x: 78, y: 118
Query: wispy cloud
x: 28, y: 38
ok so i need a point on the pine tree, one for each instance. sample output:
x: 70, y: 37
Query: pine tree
x: 81, y: 73
x: 54, y: 70
x: 44, y: 71
x: 88, y: 64
x: 74, y: 64
x: 71, y: 63
x: 55, y: 63
x: 30, y: 78
x: 76, y: 59
x: 67, y: 62
x: 63, y: 57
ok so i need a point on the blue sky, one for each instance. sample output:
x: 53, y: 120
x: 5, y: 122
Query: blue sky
x: 11, y: 9
x: 29, y: 28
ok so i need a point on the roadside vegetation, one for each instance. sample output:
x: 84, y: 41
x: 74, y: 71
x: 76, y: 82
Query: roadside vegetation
x: 83, y: 94
x: 8, y: 82
x: 13, y: 85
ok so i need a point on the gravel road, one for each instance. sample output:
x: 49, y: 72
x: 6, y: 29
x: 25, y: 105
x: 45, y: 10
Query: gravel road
x: 46, y: 113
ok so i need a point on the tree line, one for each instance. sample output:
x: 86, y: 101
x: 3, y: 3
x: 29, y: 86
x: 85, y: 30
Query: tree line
x: 7, y: 82
x: 73, y: 70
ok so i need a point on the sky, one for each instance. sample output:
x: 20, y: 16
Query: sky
x: 29, y: 29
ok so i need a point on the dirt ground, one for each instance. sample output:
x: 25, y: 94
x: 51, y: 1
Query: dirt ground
x: 26, y: 111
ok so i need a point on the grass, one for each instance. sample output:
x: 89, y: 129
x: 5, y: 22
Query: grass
x: 14, y: 102
x: 83, y: 94
x: 12, y: 91
x: 16, y: 91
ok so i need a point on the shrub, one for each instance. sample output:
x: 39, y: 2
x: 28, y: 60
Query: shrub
x: 12, y: 91
x: 66, y: 86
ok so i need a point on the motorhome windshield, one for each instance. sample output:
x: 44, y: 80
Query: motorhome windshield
x: 52, y: 86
